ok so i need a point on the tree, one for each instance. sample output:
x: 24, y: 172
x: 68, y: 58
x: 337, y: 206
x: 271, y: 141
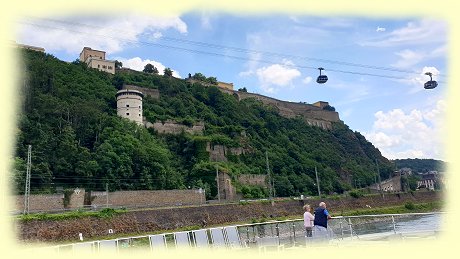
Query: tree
x: 199, y: 77
x: 118, y: 64
x: 168, y: 72
x: 212, y: 80
x: 243, y: 90
x: 329, y: 108
x: 151, y: 69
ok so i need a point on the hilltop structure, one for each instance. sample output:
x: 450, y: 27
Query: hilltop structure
x: 129, y: 105
x: 319, y: 114
x: 96, y: 59
x: 34, y: 48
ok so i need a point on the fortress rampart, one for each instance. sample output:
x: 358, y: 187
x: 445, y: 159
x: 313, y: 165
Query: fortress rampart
x: 313, y: 115
x: 154, y: 93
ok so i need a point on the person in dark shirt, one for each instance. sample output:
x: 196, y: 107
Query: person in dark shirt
x: 320, y: 222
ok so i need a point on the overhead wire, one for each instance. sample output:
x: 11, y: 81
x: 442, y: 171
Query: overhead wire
x: 238, y: 57
x: 250, y: 51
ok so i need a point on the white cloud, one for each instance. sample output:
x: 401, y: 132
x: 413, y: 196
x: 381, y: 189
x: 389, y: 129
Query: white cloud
x: 157, y: 35
x: 251, y: 64
x: 307, y: 80
x: 205, y: 20
x: 379, y: 29
x: 413, y: 134
x: 351, y: 92
x: 418, y: 33
x: 346, y: 113
x: 277, y: 76
x: 408, y: 58
x: 138, y: 64
x: 71, y: 34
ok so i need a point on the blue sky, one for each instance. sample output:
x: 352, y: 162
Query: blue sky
x: 276, y: 55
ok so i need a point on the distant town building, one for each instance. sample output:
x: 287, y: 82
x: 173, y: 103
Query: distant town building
x: 96, y: 59
x: 405, y: 171
x: 428, y: 180
x: 129, y: 105
x: 390, y: 185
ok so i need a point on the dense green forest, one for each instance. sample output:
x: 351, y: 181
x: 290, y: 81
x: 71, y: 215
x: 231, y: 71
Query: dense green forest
x: 421, y: 165
x: 69, y: 117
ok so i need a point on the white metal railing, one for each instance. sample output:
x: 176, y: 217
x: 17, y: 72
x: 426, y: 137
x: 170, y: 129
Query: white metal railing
x: 287, y: 233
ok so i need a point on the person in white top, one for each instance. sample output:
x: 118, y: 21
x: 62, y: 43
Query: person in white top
x: 308, y: 219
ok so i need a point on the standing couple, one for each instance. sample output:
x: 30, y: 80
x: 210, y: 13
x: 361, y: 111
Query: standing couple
x: 318, y: 221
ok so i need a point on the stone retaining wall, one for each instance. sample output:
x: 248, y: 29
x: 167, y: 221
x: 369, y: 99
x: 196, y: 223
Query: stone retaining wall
x: 167, y: 219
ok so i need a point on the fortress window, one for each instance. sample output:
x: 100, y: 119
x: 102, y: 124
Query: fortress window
x: 127, y: 113
x: 127, y: 105
x: 98, y: 66
x: 110, y: 67
x: 139, y: 115
x: 104, y: 66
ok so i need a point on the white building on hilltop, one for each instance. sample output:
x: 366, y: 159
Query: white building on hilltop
x: 96, y: 59
x: 129, y: 105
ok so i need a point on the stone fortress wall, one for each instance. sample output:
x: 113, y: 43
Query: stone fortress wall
x: 154, y: 93
x: 173, y: 127
x: 253, y: 179
x: 313, y: 114
x: 218, y: 153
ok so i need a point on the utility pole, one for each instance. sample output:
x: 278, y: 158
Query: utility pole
x: 107, y: 195
x: 380, y: 180
x: 217, y: 178
x: 317, y: 182
x: 27, y: 187
x: 269, y: 177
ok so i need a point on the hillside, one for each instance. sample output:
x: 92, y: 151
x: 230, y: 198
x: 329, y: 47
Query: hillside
x: 69, y: 117
x: 421, y: 165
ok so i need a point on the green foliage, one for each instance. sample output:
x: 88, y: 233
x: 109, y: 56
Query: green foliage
x: 104, y: 213
x: 409, y: 206
x: 168, y: 72
x: 107, y: 213
x: 421, y: 207
x: 118, y: 64
x: 356, y: 193
x: 77, y: 139
x: 253, y: 192
x: 421, y: 165
x: 151, y: 69
x: 329, y: 108
x: 70, y: 119
x: 409, y: 183
x: 204, y: 79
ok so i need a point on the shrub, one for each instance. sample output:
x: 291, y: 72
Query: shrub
x: 409, y: 206
x: 356, y: 193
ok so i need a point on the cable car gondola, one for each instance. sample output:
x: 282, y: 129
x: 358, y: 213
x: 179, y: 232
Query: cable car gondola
x: 430, y: 84
x: 321, y: 78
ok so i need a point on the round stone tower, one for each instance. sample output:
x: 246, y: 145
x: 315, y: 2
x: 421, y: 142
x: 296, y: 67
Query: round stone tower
x: 129, y: 105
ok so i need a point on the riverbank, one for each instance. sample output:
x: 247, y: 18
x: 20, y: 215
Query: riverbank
x: 126, y: 223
